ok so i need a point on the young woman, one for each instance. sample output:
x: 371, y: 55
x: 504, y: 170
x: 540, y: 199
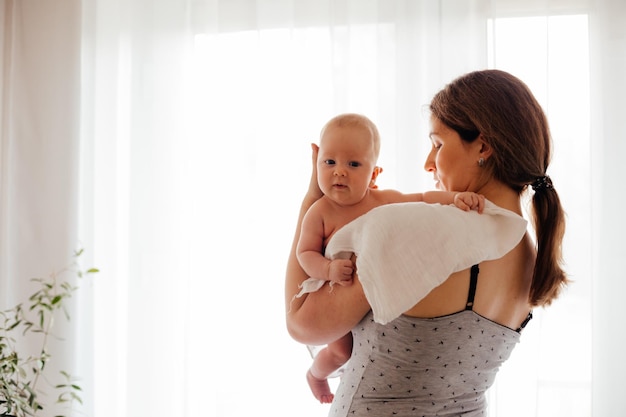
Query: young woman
x: 489, y: 136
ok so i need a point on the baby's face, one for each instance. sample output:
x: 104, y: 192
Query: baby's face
x: 345, y: 163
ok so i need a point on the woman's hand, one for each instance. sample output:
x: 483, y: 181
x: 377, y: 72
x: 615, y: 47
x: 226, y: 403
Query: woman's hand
x: 314, y: 191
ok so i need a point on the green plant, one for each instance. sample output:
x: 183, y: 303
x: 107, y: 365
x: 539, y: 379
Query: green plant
x: 30, y: 324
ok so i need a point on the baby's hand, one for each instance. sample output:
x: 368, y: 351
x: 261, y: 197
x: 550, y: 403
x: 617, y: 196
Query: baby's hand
x: 340, y: 271
x: 469, y: 201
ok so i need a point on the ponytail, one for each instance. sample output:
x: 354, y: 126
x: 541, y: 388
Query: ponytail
x: 549, y: 223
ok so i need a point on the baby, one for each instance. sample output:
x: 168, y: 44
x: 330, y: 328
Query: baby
x: 346, y: 173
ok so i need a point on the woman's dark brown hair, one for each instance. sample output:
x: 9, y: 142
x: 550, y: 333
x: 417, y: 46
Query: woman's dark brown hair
x: 502, y: 110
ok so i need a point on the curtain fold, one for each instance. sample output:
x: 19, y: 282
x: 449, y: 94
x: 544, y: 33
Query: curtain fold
x: 170, y: 138
x: 608, y: 130
x: 40, y: 136
x: 39, y: 166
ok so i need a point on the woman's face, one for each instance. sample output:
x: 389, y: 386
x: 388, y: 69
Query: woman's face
x: 453, y: 162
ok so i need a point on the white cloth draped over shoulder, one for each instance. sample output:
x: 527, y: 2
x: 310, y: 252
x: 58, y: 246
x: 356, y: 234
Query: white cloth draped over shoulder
x: 405, y: 250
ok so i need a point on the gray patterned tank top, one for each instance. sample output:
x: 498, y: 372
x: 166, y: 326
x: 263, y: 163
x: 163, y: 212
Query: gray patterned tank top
x: 424, y: 367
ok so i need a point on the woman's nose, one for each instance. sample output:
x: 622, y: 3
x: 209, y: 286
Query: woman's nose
x: 429, y: 165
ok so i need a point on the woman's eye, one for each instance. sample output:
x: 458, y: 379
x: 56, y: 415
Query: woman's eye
x: 354, y: 164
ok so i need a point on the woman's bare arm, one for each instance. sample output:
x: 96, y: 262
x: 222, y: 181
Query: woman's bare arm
x: 295, y: 275
x: 320, y: 317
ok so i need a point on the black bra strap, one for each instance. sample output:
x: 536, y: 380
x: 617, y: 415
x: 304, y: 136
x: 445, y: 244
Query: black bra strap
x: 472, y: 289
x: 525, y: 322
x: 471, y: 294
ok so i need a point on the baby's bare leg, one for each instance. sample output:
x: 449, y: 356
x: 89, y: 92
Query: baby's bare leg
x: 327, y: 361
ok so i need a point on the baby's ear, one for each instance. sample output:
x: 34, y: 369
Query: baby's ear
x: 375, y: 173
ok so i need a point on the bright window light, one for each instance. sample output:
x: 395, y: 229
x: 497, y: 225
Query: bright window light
x: 550, y: 53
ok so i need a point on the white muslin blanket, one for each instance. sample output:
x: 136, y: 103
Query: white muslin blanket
x: 405, y: 250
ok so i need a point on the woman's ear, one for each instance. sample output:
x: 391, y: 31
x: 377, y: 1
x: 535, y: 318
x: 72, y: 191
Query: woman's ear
x: 485, y: 149
x: 375, y: 173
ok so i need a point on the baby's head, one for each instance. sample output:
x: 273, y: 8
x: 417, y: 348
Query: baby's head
x: 356, y: 122
x: 349, y: 149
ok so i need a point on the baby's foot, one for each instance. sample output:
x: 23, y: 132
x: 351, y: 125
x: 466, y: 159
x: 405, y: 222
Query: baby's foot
x: 320, y: 388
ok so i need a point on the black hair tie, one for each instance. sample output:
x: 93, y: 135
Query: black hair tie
x: 542, y: 183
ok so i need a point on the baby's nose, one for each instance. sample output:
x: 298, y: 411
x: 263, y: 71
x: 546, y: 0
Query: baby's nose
x: 340, y: 172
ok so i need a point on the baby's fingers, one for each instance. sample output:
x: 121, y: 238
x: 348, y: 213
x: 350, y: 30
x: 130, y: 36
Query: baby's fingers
x: 481, y: 203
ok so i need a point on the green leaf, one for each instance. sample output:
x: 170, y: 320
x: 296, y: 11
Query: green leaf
x: 27, y: 327
x: 14, y: 325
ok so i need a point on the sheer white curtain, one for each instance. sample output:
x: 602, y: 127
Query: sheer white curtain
x: 608, y: 131
x: 39, y: 168
x: 195, y: 123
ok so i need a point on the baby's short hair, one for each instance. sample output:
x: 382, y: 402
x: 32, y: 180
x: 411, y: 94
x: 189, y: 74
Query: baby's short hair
x: 355, y: 119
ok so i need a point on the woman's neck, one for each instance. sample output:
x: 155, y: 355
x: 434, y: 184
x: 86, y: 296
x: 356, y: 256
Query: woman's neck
x: 502, y: 196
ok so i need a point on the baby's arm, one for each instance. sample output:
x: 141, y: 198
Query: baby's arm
x: 309, y: 252
x: 465, y: 200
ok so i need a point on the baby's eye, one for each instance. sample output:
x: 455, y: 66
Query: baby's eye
x: 329, y: 162
x: 354, y: 164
